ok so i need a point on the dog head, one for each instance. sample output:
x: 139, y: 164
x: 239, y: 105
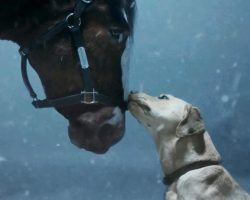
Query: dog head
x: 177, y: 127
x: 167, y: 114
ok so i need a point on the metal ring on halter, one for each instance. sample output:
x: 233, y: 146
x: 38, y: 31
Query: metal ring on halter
x: 86, y: 1
x: 72, y: 25
x: 23, y: 52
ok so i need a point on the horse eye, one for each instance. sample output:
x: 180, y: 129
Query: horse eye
x: 117, y: 34
x: 163, y: 97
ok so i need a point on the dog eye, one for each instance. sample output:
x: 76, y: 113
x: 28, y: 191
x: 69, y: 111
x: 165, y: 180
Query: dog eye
x: 163, y: 97
x: 146, y: 109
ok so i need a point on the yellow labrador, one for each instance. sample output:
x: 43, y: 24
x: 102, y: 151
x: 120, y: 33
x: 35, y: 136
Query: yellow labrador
x: 187, y: 155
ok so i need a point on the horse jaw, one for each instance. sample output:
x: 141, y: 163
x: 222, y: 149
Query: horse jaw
x: 97, y: 131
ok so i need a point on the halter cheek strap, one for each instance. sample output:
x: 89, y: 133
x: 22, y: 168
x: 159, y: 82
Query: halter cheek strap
x: 89, y: 95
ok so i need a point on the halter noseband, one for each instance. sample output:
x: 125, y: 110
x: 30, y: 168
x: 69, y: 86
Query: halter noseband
x: 89, y: 95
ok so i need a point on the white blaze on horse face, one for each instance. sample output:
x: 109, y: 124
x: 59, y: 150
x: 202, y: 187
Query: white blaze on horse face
x: 117, y: 117
x: 125, y: 68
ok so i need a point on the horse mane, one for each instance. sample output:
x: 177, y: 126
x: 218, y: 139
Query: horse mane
x: 129, y: 7
x: 22, y: 15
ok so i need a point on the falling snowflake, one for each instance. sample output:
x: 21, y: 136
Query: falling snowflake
x: 2, y: 159
x: 225, y: 98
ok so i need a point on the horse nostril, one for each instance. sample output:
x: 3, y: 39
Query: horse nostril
x: 133, y: 92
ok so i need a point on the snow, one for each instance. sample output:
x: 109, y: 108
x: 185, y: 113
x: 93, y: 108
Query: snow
x: 197, y: 50
x: 225, y: 98
x: 2, y: 159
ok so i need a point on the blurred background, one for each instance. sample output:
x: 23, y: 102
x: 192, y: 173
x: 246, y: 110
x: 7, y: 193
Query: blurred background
x: 195, y: 50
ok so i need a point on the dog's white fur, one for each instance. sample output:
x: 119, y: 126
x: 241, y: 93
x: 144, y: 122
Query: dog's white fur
x: 181, y: 140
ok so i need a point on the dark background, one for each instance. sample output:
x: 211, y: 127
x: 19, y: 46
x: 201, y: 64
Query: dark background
x: 196, y: 50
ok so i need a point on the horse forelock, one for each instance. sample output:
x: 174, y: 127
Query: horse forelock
x: 127, y: 8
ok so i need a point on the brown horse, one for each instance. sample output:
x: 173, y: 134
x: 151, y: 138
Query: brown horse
x: 105, y: 28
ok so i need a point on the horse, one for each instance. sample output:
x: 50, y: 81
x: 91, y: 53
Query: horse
x: 76, y: 47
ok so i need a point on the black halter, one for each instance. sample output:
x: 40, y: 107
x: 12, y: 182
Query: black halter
x: 89, y: 95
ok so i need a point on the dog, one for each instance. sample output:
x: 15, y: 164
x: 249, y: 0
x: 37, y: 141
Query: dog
x: 187, y: 154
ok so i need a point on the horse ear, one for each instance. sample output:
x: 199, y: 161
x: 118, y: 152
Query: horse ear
x: 191, y: 124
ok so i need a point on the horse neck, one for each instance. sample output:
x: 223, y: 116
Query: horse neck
x: 19, y: 19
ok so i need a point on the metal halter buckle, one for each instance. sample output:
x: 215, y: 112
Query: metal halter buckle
x: 89, y: 97
x: 71, y: 24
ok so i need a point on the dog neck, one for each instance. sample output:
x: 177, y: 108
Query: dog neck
x: 177, y: 153
x: 171, y: 178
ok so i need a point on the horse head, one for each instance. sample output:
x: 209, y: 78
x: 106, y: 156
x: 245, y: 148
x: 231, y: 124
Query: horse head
x: 105, y: 28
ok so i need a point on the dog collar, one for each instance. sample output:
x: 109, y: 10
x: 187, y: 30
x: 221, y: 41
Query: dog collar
x: 170, y: 178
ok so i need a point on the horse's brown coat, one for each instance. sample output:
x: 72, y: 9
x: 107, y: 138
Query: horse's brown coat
x: 58, y: 67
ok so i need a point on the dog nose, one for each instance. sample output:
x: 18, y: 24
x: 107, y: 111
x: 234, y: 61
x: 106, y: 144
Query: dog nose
x: 134, y: 92
x: 163, y: 96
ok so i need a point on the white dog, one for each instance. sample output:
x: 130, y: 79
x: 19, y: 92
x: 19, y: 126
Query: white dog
x: 187, y: 155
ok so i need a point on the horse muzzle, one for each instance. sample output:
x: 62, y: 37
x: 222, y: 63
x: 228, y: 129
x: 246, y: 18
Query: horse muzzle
x: 97, y: 131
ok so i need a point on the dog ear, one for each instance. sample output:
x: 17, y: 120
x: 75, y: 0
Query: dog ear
x: 191, y: 124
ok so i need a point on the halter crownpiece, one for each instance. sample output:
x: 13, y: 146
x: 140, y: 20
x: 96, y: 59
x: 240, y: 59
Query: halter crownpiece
x: 89, y: 95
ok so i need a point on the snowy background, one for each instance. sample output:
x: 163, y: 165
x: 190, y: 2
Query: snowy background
x: 196, y: 50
